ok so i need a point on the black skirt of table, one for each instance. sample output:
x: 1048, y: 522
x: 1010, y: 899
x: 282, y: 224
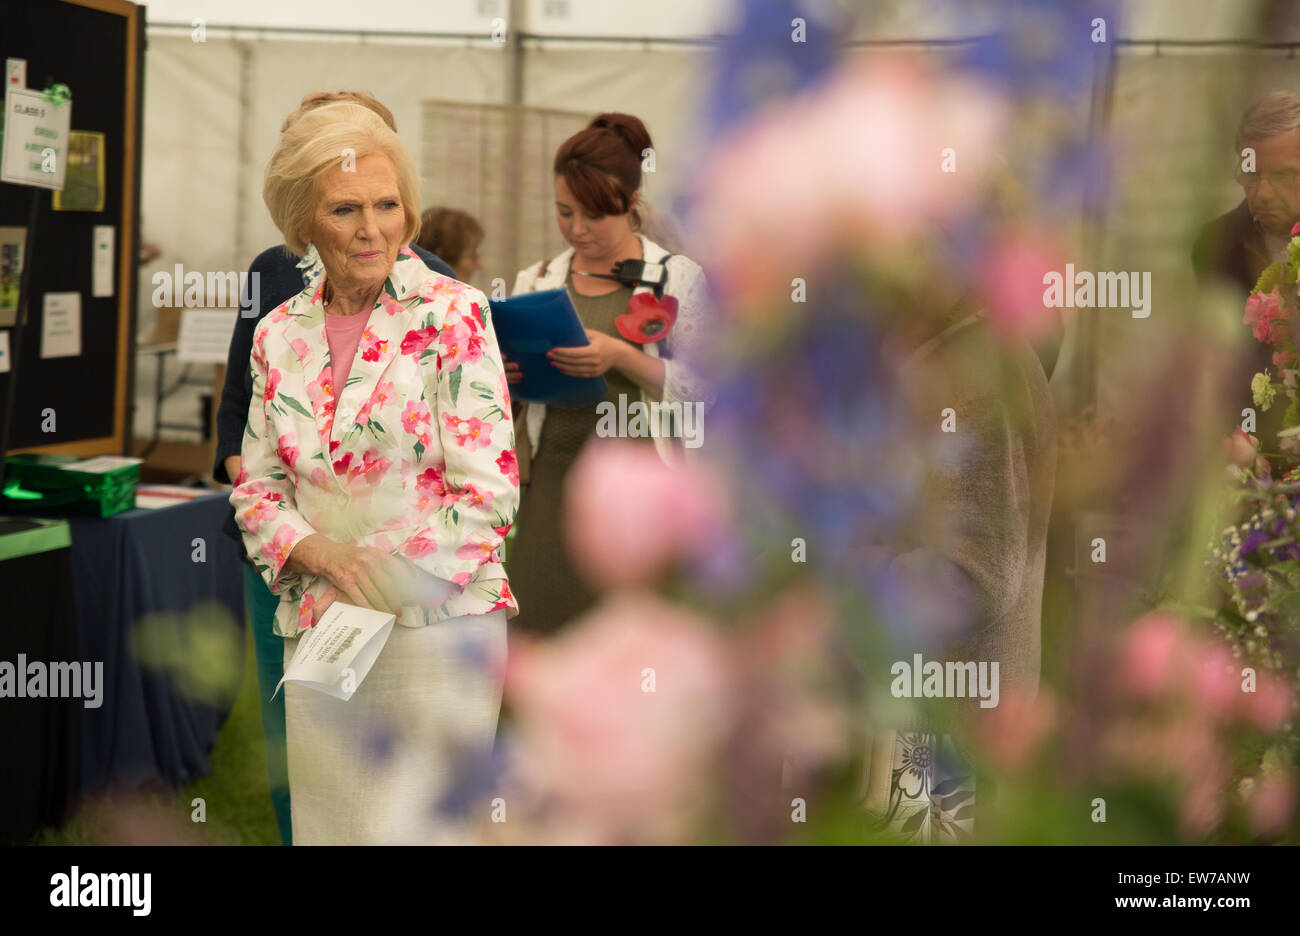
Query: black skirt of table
x: 40, y: 739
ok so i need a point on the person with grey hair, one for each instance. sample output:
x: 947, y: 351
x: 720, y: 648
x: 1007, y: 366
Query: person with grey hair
x: 378, y: 470
x: 1238, y: 245
x: 1235, y: 248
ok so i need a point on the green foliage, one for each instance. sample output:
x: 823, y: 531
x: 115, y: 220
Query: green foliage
x: 1272, y: 276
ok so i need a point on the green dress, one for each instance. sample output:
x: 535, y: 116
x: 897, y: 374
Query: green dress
x: 549, y: 590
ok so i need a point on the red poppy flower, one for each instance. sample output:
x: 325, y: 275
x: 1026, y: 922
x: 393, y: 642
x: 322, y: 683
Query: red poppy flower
x: 647, y: 319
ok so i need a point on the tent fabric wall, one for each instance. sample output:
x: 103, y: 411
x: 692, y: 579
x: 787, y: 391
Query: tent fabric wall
x: 213, y: 111
x: 494, y: 162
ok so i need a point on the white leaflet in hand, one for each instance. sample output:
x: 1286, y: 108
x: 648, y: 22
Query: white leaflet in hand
x: 344, y: 643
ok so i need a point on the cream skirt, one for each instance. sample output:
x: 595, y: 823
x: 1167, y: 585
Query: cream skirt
x: 374, y: 769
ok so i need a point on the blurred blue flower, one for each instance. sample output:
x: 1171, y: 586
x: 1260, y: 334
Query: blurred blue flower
x: 476, y: 776
x: 762, y: 61
x: 1039, y: 46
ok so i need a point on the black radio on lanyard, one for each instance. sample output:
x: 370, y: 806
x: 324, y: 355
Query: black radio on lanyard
x: 637, y: 273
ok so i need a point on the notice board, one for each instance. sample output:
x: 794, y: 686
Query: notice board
x: 95, y: 48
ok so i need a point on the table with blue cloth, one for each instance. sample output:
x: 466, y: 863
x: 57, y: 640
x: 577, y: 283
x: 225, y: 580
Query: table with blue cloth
x: 158, y: 596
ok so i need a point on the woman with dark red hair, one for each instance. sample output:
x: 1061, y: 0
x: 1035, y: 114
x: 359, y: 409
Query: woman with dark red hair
x: 639, y: 333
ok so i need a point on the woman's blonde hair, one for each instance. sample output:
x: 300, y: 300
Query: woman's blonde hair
x: 316, y: 141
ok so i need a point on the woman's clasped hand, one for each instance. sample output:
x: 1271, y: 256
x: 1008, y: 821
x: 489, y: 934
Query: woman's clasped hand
x: 370, y: 578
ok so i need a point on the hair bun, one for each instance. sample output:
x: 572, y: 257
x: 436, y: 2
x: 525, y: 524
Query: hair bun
x: 629, y: 128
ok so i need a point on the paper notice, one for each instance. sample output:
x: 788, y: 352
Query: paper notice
x: 35, y: 145
x: 61, y: 325
x: 101, y: 261
x: 205, y: 335
x: 335, y: 655
x: 15, y: 73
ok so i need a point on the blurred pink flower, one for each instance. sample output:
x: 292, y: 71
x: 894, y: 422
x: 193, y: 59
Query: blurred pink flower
x: 1215, y: 686
x: 1262, y: 309
x: 1271, y: 705
x: 1271, y: 802
x: 630, y: 515
x: 859, y: 158
x: 1149, y: 653
x: 1201, y: 809
x: 129, y: 817
x: 1011, y: 733
x: 1239, y: 448
x: 796, y: 625
x: 1010, y: 283
x: 782, y: 659
x: 619, y: 717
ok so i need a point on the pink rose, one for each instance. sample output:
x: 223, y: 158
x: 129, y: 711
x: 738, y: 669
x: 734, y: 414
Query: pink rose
x: 1262, y: 309
x: 1239, y: 448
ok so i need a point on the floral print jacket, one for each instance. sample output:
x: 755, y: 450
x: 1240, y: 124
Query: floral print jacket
x: 414, y: 456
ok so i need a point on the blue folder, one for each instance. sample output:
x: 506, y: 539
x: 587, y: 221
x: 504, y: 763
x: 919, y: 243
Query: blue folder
x: 529, y: 325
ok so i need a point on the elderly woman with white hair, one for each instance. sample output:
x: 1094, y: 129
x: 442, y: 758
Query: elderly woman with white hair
x: 378, y: 469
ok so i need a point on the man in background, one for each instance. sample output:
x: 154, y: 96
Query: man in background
x: 1236, y: 247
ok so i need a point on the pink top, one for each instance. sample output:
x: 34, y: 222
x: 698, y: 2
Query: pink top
x: 343, y: 332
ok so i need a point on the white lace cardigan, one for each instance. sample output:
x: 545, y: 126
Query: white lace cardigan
x: 686, y: 283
